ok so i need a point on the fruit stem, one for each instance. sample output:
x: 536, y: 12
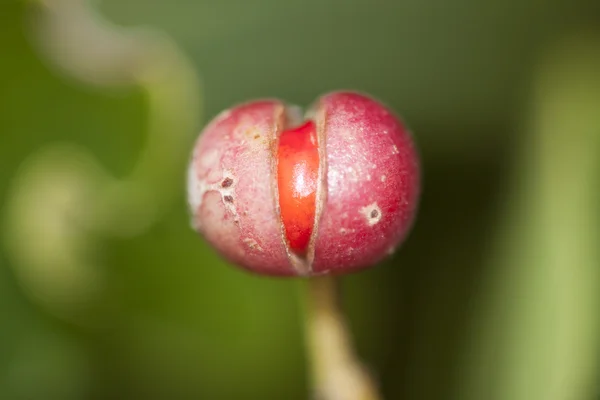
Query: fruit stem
x: 336, y: 372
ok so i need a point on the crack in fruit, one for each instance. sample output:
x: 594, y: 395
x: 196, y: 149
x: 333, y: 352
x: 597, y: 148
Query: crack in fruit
x: 297, y: 177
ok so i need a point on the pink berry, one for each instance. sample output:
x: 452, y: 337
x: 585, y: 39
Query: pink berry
x: 279, y: 195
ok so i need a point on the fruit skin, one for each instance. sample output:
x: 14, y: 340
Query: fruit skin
x: 234, y: 157
x: 372, y: 168
x: 367, y: 198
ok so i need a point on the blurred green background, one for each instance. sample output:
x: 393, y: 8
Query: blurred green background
x: 496, y: 294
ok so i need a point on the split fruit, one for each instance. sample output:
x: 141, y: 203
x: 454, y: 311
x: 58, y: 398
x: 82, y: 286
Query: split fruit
x: 278, y: 193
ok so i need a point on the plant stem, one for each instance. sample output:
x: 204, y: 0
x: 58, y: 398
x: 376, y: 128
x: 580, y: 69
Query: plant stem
x: 336, y: 372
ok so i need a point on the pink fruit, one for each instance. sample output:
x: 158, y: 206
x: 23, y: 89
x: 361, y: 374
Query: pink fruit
x: 280, y: 195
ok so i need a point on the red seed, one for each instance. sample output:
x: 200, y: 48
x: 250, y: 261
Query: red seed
x: 297, y: 174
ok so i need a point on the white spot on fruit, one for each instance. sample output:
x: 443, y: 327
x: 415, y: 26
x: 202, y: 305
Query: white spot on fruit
x: 395, y: 149
x: 194, y: 189
x: 209, y: 160
x: 197, y: 188
x: 348, y: 135
x: 372, y: 213
x: 252, y: 244
x: 352, y: 175
x: 383, y: 178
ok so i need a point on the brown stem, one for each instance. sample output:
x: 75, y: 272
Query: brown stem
x: 337, y: 374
